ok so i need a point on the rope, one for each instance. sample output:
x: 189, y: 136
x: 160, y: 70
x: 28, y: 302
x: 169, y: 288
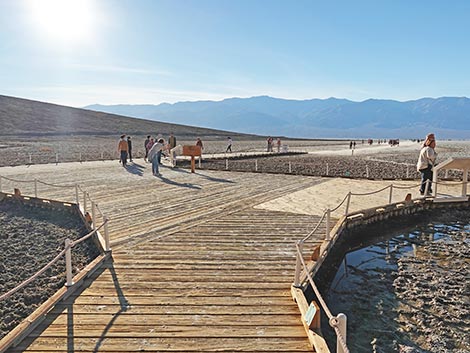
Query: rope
x: 314, y: 230
x: 85, y: 237
x: 55, y: 185
x: 372, y: 192
x: 345, y: 198
x: 17, y: 181
x: 33, y: 277
x: 333, y: 320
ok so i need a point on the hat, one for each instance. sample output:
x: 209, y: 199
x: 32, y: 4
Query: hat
x: 429, y: 138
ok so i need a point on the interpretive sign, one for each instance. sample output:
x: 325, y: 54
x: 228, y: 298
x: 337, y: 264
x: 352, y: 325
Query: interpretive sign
x: 310, y: 316
x: 192, y: 151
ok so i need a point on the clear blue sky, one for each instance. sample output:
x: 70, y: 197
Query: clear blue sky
x: 150, y: 51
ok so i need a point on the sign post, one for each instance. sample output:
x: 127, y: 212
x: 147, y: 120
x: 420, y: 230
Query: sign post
x: 192, y: 151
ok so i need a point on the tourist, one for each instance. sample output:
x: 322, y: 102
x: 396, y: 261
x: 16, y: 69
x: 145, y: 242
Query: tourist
x: 129, y: 148
x: 270, y: 144
x: 122, y: 150
x: 199, y: 143
x: 229, y: 145
x: 278, y: 142
x: 426, y: 160
x: 146, y: 143
x: 155, y: 154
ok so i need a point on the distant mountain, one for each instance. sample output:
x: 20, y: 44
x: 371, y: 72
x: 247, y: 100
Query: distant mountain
x: 337, y: 118
x: 26, y: 117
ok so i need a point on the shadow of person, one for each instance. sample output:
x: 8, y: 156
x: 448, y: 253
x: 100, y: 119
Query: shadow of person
x: 175, y: 183
x: 218, y: 180
x: 136, y: 169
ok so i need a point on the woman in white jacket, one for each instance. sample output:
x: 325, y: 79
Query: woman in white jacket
x: 426, y: 160
x: 154, y: 156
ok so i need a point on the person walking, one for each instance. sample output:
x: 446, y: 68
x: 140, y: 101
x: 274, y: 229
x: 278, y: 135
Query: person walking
x: 426, y: 160
x: 122, y: 150
x: 229, y: 145
x: 154, y: 156
x: 129, y: 148
x: 146, y: 143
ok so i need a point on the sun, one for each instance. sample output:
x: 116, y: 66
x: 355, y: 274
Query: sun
x: 64, y: 20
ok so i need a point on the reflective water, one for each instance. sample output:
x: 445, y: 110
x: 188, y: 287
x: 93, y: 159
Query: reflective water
x: 409, y: 293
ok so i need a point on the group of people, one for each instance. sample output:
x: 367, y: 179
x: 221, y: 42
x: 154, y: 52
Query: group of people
x: 270, y: 142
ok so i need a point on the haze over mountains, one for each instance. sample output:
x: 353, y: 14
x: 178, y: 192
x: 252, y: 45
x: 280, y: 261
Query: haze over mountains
x: 449, y: 117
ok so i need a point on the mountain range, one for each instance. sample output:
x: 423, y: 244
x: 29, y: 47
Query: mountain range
x: 448, y: 117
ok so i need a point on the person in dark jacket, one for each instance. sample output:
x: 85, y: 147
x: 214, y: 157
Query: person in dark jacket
x: 146, y: 143
x: 129, y: 148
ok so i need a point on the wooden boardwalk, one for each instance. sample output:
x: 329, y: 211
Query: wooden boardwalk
x: 195, y: 267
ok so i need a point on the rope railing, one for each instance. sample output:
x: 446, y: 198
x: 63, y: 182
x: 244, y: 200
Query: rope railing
x: 67, y: 248
x: 334, y: 321
x: 338, y: 323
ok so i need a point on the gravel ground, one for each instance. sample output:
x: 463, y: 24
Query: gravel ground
x: 30, y: 237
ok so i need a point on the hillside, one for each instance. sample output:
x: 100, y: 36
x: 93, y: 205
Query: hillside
x: 23, y: 117
x: 314, y: 118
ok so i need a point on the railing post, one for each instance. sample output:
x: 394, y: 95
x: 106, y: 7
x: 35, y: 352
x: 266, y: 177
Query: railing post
x: 30, y: 159
x: 328, y: 215
x: 77, y: 200
x: 56, y: 158
x: 426, y: 188
x: 327, y: 169
x: 256, y: 165
x: 84, y: 201
x: 80, y: 156
x: 93, y: 214
x: 106, y: 234
x: 226, y: 164
x: 391, y: 194
x: 200, y: 162
x: 68, y: 263
x: 367, y: 171
x: 35, y: 188
x: 348, y: 201
x: 290, y: 168
x: 298, y: 264
x: 407, y: 171
x: 342, y: 325
x: 0, y: 183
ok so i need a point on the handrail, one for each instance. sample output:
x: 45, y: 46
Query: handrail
x: 47, y: 266
x: 332, y: 320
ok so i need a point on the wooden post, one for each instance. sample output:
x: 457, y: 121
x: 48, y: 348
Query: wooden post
x: 93, y: 214
x: 0, y: 183
x: 256, y: 165
x: 30, y: 159
x: 226, y: 164
x: 342, y: 320
x: 84, y: 201
x: 193, y: 164
x: 106, y: 234
x: 77, y: 200
x: 328, y: 216
x: 348, y: 201
x: 367, y: 171
x: 465, y: 181
x: 327, y: 169
x: 68, y: 263
x: 35, y: 188
x: 391, y: 194
x: 290, y: 167
x: 298, y: 265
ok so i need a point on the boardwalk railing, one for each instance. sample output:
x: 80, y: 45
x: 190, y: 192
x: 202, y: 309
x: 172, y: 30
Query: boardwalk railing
x: 69, y: 244
x: 338, y: 322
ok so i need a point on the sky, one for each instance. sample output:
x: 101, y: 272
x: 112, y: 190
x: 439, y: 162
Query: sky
x: 81, y: 52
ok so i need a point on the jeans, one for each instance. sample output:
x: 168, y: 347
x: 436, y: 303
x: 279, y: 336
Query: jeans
x: 156, y: 162
x: 124, y: 157
x: 426, y: 174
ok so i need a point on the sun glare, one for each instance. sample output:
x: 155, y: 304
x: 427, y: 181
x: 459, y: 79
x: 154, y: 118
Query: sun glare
x: 64, y: 20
